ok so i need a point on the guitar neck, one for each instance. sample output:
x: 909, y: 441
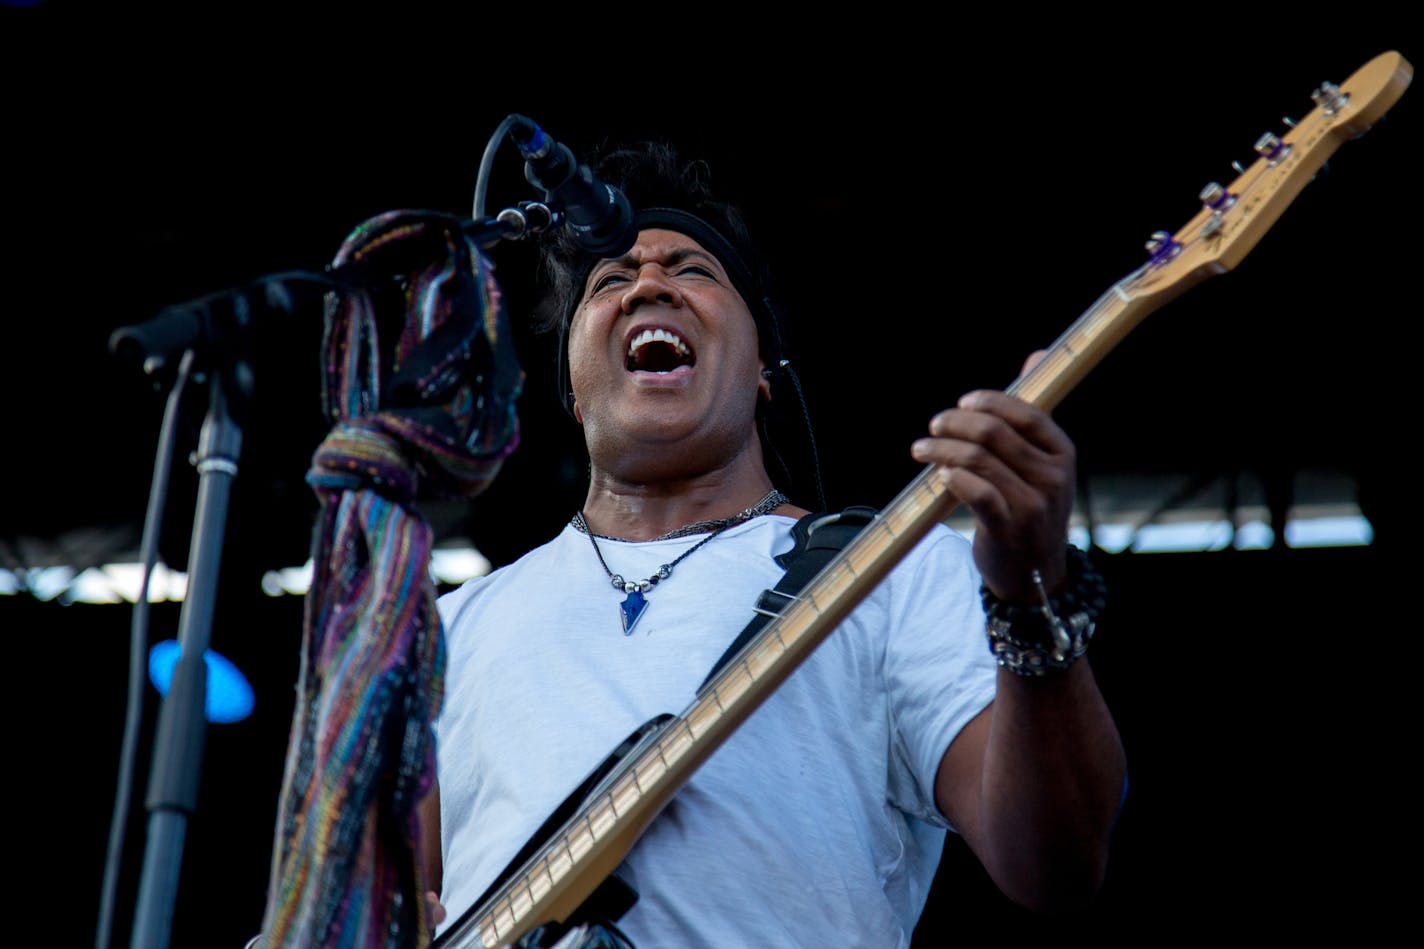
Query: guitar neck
x: 566, y: 870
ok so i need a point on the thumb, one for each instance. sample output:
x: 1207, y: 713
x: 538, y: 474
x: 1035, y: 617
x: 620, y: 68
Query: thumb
x: 1034, y: 358
x: 432, y: 904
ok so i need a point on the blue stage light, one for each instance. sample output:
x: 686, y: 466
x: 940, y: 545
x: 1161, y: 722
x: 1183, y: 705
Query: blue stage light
x: 230, y: 697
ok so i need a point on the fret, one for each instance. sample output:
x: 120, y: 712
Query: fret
x: 840, y: 574
x: 503, y: 919
x: 675, y: 743
x: 732, y: 686
x: 560, y: 863
x: 688, y: 732
x: 797, y: 610
x: 702, y: 717
x: 807, y: 601
x: 520, y: 903
x: 625, y: 795
x: 580, y: 840
x: 786, y: 646
x: 898, y: 517
x: 601, y: 819
x: 541, y: 884
x: 648, y: 772
x: 764, y: 660
x: 735, y: 674
x: 751, y: 669
x: 776, y: 636
x: 925, y: 489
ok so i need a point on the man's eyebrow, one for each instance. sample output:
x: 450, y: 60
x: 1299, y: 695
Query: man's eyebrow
x: 677, y: 256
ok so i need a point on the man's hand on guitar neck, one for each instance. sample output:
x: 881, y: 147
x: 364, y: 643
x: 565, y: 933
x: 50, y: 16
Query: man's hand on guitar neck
x: 1015, y: 470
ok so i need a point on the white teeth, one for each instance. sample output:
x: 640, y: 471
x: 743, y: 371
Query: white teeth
x: 657, y: 335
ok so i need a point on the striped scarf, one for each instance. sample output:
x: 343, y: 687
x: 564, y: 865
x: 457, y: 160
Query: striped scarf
x: 421, y: 381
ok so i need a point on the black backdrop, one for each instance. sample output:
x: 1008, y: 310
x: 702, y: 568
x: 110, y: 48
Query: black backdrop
x: 938, y: 205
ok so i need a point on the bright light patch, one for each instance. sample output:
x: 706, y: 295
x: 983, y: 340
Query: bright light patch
x: 1329, y: 532
x: 46, y: 583
x: 449, y: 565
x: 456, y: 565
x: 230, y: 697
x: 294, y: 580
x: 1255, y: 535
x: 1182, y: 536
x: 1113, y: 538
x: 126, y: 579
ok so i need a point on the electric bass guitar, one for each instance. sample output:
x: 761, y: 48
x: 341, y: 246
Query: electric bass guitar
x: 557, y: 875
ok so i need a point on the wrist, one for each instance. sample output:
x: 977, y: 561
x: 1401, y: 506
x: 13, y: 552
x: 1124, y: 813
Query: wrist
x: 1052, y: 634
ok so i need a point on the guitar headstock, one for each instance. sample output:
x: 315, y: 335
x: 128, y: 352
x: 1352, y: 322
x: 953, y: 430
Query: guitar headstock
x: 1234, y: 217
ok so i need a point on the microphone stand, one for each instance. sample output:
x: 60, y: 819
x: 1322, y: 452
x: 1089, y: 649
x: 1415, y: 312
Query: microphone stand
x: 219, y: 324
x: 218, y: 327
x: 178, y: 754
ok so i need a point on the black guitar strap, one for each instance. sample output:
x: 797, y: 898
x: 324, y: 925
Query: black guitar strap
x: 819, y: 537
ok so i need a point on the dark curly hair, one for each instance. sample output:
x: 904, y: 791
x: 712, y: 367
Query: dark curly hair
x: 654, y: 176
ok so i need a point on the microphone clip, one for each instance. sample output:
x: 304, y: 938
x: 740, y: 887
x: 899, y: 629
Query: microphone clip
x: 596, y: 213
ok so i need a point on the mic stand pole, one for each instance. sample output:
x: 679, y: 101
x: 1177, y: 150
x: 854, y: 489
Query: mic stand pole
x: 178, y: 752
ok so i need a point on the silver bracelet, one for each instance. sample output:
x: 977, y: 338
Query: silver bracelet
x: 1050, y: 637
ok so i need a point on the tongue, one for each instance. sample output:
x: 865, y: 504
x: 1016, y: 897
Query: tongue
x: 656, y: 357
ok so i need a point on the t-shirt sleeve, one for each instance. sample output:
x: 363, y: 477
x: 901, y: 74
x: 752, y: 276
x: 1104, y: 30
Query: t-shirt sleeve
x: 939, y: 672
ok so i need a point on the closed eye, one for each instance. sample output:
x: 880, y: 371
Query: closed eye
x: 606, y: 281
x: 614, y: 277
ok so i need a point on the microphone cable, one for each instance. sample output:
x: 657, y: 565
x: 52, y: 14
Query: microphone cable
x: 138, y: 647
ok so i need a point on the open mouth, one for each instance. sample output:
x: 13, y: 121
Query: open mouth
x: 658, y: 350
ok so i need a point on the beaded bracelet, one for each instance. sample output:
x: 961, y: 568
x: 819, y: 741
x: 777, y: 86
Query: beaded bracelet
x: 1037, y: 640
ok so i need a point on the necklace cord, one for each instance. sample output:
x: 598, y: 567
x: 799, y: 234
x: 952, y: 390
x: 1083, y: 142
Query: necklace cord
x: 773, y: 500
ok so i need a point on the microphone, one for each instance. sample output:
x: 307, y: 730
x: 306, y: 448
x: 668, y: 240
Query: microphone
x: 217, y: 320
x: 597, y: 213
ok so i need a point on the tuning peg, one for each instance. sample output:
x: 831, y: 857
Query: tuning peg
x: 1288, y: 122
x: 1329, y: 98
x: 1239, y: 168
x: 1215, y: 197
x: 1161, y: 245
x: 1270, y: 147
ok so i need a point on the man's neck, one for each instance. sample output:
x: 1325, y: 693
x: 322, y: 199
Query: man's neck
x: 633, y: 511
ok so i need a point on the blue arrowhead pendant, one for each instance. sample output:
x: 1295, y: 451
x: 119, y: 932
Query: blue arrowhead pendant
x: 632, y: 607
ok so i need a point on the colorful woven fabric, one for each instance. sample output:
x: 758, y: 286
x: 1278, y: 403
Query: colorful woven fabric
x: 421, y: 381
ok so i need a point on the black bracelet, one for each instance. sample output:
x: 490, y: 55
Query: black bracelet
x: 1051, y: 636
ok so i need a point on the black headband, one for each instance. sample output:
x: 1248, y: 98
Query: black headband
x: 733, y: 262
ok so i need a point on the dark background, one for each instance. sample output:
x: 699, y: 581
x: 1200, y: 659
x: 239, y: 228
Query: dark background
x: 939, y: 202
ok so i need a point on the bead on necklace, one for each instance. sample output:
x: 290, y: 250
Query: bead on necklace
x: 635, y: 601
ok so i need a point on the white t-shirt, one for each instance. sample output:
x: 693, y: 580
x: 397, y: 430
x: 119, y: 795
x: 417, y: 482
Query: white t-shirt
x: 813, y: 825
